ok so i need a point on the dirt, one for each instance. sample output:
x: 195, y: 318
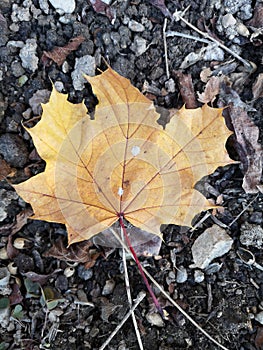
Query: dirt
x: 228, y: 301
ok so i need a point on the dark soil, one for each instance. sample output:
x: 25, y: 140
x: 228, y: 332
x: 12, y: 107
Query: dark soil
x: 228, y: 302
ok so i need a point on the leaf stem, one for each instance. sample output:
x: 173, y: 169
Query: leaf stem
x: 158, y: 306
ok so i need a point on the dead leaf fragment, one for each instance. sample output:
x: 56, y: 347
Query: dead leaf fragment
x: 248, y: 148
x: 211, y: 90
x: 122, y: 163
x: 79, y: 252
x: 5, y: 169
x: 59, y: 54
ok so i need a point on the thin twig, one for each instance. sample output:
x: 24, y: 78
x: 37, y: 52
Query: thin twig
x: 165, y: 49
x: 116, y: 330
x: 172, y: 33
x: 249, y: 204
x: 171, y: 300
x: 128, y: 291
x: 179, y: 17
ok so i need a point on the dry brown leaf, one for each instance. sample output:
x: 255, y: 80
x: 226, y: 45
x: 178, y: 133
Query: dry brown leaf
x: 59, y: 54
x: 5, y: 169
x: 247, y: 133
x: 79, y: 252
x: 122, y: 164
x: 211, y: 90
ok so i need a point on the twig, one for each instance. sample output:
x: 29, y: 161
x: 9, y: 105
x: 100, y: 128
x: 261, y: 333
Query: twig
x: 178, y: 15
x: 128, y: 290
x: 116, y: 330
x: 249, y: 204
x: 172, y: 301
x: 165, y: 49
x: 172, y: 33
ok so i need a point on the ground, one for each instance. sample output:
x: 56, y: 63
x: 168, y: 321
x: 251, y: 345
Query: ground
x: 227, y: 301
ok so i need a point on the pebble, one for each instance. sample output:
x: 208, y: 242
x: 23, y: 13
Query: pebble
x: 136, y: 26
x: 17, y: 69
x: 259, y: 317
x: 181, y: 276
x: 83, y: 65
x: 170, y: 85
x: 155, y: 319
x: 20, y: 14
x: 256, y: 217
x: 213, y: 53
x: 212, y: 243
x: 14, y: 150
x: 28, y: 55
x: 199, y: 276
x: 63, y: 6
x: 84, y: 274
x: 109, y: 287
x: 61, y: 283
x: 139, y: 46
x: 43, y: 4
x: 251, y: 235
x: 4, y: 281
x: 6, y: 198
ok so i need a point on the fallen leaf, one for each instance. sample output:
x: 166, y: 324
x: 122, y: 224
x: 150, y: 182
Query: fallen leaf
x: 79, y: 252
x: 259, y: 338
x: 257, y: 19
x: 122, y: 163
x: 103, y: 8
x: 60, y: 53
x: 211, y: 90
x: 247, y: 134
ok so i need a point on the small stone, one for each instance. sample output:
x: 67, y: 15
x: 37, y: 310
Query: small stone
x: 251, y: 235
x: 6, y: 198
x: 256, y: 217
x: 155, y: 319
x: 259, y: 317
x: 20, y: 14
x: 199, y: 276
x: 108, y: 288
x: 28, y: 55
x: 212, y: 243
x: 61, y: 283
x: 4, y: 281
x: 139, y: 46
x: 16, y: 69
x: 43, y: 4
x: 170, y: 85
x: 84, y: 273
x: 63, y: 6
x: 135, y: 26
x: 13, y: 150
x: 170, y: 278
x: 213, y: 53
x: 181, y: 276
x: 228, y: 20
x: 83, y: 65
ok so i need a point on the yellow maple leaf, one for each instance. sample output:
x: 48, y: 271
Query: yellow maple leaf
x: 122, y: 163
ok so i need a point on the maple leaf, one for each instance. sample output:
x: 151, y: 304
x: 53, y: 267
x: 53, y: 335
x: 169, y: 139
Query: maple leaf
x: 122, y: 164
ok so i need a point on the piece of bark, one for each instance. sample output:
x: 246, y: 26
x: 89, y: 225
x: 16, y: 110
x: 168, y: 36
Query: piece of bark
x: 186, y: 88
